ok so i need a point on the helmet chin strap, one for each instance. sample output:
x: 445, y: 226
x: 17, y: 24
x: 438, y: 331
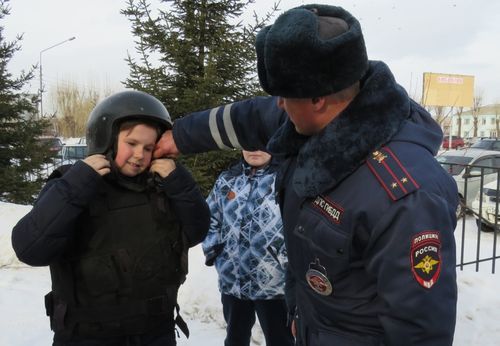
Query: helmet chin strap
x: 110, y: 156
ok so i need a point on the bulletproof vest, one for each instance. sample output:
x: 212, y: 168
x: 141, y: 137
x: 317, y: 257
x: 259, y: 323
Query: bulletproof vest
x: 123, y: 270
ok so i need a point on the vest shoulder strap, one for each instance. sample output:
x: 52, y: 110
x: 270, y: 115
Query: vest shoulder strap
x: 59, y: 171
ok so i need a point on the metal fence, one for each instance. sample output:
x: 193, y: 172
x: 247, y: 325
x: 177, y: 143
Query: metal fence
x: 478, y: 224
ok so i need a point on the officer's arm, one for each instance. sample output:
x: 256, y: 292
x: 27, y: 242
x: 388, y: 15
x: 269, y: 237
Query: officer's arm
x: 247, y: 124
x: 413, y: 259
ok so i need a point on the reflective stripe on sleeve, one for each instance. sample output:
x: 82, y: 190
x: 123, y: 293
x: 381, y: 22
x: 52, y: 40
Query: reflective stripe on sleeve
x: 228, y: 126
x: 214, y: 130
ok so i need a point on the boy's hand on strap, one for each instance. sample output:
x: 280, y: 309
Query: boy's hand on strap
x: 162, y: 166
x: 99, y: 163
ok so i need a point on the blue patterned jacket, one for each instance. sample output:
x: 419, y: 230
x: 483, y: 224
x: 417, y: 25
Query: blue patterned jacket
x: 245, y: 239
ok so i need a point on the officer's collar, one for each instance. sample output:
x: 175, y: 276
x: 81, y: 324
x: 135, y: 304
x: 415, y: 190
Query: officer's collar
x: 369, y: 121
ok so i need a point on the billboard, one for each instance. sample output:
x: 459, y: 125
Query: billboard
x: 452, y: 90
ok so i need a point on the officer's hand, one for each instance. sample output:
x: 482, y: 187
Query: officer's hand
x: 166, y: 146
x: 99, y: 163
x: 162, y: 166
x: 294, y: 329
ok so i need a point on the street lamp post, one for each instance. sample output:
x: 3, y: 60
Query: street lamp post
x: 41, y: 74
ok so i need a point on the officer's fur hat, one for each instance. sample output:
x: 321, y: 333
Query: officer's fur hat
x: 310, y: 51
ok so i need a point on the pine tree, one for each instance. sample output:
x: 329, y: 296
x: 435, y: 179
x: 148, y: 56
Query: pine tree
x: 193, y: 55
x: 21, y: 156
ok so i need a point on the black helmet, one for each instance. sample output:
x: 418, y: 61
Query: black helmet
x: 106, y: 117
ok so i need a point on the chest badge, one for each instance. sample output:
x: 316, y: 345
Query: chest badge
x: 317, y: 279
x: 328, y: 208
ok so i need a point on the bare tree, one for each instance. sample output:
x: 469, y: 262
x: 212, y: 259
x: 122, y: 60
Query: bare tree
x: 441, y: 115
x: 496, y: 109
x: 459, y: 112
x: 477, y: 102
x: 73, y: 106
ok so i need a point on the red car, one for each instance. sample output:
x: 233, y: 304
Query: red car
x: 456, y: 142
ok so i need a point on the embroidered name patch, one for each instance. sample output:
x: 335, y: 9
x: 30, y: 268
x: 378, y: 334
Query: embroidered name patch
x: 328, y: 208
x: 425, y: 254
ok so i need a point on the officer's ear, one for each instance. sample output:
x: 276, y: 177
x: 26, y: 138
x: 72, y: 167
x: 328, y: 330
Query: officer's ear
x: 318, y: 103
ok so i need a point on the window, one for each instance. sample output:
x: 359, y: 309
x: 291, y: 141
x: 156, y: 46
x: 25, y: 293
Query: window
x: 487, y: 165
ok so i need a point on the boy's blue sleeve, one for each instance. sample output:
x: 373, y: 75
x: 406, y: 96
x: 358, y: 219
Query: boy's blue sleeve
x: 213, y: 245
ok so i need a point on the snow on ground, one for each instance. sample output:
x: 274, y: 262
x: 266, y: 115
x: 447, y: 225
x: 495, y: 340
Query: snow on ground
x: 22, y: 289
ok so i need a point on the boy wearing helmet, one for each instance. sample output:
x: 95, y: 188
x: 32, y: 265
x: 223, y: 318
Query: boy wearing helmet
x: 114, y: 229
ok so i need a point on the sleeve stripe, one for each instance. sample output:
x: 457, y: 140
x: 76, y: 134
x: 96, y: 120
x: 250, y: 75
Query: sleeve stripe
x: 212, y: 123
x: 228, y: 126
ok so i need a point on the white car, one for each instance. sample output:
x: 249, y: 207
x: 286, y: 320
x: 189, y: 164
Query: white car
x: 485, y: 207
x: 70, y: 153
x: 470, y: 168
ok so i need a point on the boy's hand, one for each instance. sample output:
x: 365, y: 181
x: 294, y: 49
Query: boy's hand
x: 99, y: 163
x: 162, y: 166
x: 166, y: 146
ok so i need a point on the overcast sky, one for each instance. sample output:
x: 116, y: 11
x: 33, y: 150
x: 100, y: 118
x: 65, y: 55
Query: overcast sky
x: 412, y: 37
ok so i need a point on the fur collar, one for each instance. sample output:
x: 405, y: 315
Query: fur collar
x: 370, y: 121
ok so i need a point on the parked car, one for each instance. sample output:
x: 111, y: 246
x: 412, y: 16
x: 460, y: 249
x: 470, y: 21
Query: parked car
x: 470, y: 167
x: 487, y: 144
x: 485, y: 207
x: 55, y: 144
x: 470, y: 141
x: 71, y: 153
x: 456, y: 142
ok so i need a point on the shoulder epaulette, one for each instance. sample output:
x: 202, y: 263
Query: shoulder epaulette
x: 391, y: 174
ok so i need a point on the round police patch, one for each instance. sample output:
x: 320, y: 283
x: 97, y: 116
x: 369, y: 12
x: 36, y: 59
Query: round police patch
x: 319, y: 282
x: 425, y: 254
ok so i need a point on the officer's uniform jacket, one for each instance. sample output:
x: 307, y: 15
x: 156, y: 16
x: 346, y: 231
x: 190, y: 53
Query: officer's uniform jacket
x: 245, y: 239
x: 368, y: 214
x: 115, y: 248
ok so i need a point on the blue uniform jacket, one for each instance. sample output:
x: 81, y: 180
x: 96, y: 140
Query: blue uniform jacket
x: 368, y: 214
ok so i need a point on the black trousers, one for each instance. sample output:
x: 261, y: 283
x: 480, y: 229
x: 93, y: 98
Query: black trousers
x: 137, y: 340
x: 240, y: 318
x: 164, y: 336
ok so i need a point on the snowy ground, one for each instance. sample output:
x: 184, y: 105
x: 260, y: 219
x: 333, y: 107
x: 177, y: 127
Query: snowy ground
x: 23, y: 321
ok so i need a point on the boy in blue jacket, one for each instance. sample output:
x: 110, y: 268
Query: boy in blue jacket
x: 245, y: 242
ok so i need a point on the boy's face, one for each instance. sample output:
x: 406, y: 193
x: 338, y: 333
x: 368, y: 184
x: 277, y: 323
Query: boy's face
x: 257, y: 158
x: 135, y: 149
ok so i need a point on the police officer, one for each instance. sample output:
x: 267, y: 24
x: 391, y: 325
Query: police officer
x: 368, y: 213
